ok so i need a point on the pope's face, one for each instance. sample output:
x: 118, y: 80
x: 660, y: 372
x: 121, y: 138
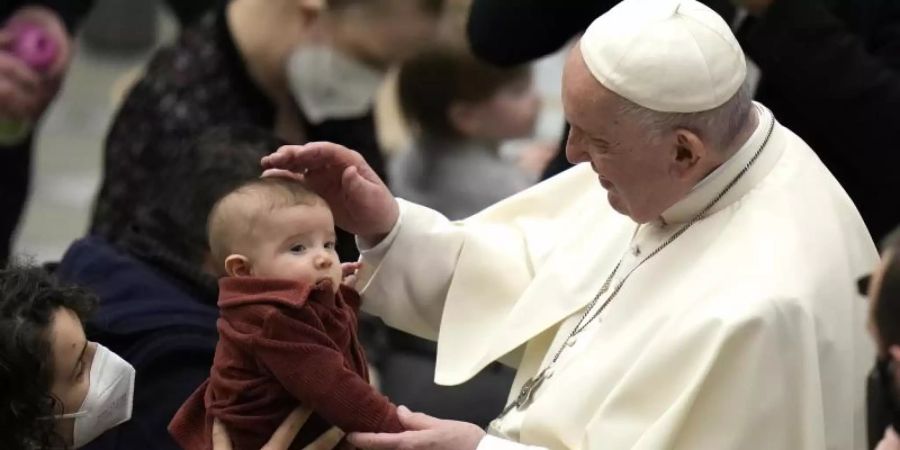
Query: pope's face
x: 638, y: 173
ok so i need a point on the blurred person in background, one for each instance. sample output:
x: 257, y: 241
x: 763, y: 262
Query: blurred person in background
x: 829, y: 71
x: 25, y: 94
x: 461, y: 110
x: 157, y: 293
x: 282, y: 65
x: 883, y: 290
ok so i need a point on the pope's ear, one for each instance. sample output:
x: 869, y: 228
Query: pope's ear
x: 688, y: 151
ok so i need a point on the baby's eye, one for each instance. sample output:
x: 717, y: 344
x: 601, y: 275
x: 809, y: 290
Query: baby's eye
x: 330, y: 245
x: 298, y: 248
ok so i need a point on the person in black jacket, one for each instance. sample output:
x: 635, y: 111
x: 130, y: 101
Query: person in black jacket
x: 830, y: 72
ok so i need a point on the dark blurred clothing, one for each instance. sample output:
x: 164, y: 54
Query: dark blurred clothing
x: 198, y: 83
x: 70, y: 11
x: 161, y: 324
x: 832, y: 75
x: 15, y: 178
x: 829, y: 73
x: 407, y: 378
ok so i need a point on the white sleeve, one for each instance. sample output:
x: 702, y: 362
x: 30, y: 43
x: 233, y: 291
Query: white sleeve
x: 376, y: 252
x: 404, y: 278
x: 489, y: 442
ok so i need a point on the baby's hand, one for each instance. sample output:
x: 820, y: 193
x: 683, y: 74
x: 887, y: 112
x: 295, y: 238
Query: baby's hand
x: 349, y: 273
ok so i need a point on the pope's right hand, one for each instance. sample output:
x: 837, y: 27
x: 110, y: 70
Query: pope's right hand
x: 360, y: 201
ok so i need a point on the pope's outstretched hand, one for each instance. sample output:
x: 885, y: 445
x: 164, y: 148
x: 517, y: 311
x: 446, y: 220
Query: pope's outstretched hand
x: 360, y: 201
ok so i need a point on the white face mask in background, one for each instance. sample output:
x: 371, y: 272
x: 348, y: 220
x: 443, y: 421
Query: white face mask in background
x: 328, y: 84
x: 109, y: 398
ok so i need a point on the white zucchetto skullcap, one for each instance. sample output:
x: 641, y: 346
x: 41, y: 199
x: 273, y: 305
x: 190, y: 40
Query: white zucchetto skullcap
x: 666, y: 55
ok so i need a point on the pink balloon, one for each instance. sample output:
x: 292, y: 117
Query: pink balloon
x: 33, y: 45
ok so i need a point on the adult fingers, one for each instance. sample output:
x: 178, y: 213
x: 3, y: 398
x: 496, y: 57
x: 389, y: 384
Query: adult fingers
x: 349, y: 268
x: 382, y: 441
x: 220, y: 438
x: 327, y: 441
x: 416, y: 421
x: 311, y: 156
x: 281, y: 173
x: 286, y: 432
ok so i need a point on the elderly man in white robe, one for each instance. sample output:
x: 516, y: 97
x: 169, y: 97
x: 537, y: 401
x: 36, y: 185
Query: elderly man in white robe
x: 689, y: 285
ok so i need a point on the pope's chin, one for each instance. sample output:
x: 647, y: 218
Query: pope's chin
x: 616, y: 202
x: 621, y: 207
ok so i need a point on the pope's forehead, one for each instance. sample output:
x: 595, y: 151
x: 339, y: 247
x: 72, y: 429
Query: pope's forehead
x: 582, y: 93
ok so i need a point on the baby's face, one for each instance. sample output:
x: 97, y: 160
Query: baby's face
x: 297, y: 243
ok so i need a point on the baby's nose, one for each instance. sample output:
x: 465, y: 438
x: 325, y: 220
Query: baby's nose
x: 323, y: 261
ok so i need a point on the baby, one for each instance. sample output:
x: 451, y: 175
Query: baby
x: 287, y: 326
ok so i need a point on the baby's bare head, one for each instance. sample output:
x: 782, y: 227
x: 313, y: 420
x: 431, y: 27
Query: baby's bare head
x: 247, y: 216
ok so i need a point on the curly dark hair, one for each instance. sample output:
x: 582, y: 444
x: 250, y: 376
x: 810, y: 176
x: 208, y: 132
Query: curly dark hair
x: 29, y: 296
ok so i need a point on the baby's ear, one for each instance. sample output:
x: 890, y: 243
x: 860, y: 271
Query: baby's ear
x: 237, y: 266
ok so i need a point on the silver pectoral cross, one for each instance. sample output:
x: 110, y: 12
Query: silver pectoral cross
x: 526, y: 394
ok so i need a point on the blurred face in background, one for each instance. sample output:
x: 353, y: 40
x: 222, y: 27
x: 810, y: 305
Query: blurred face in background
x: 510, y: 113
x: 381, y: 32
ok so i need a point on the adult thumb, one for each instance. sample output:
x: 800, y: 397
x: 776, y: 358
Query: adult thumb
x: 355, y: 186
x: 415, y: 421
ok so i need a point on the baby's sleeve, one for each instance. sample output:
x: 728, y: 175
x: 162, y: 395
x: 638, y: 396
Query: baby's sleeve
x: 306, y: 363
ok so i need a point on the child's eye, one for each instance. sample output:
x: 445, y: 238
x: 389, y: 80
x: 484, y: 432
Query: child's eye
x: 298, y: 248
x: 330, y: 245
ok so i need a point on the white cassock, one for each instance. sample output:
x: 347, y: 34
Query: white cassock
x: 745, y: 333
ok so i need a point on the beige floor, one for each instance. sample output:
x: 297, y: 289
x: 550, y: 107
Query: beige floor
x: 68, y: 154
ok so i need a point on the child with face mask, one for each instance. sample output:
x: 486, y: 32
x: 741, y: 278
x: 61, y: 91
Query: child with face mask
x: 57, y: 389
x: 287, y: 327
x: 461, y: 110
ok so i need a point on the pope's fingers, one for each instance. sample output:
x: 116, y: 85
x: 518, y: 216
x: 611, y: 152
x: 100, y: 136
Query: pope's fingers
x: 380, y: 441
x: 356, y: 185
x: 313, y: 156
x: 416, y: 421
x: 282, y: 173
x: 279, y: 157
x: 349, y: 268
